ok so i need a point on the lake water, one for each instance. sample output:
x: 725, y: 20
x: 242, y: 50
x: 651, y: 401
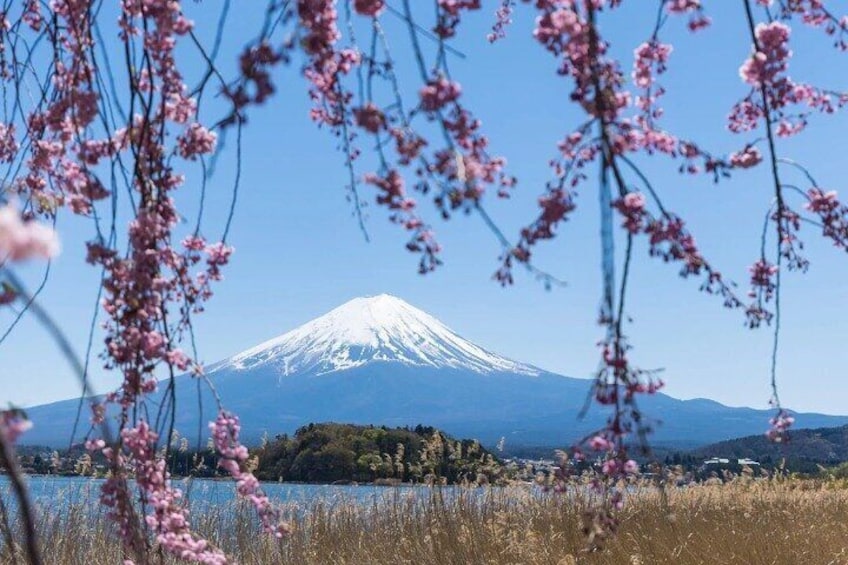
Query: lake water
x: 52, y: 494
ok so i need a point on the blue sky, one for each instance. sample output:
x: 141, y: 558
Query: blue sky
x: 299, y: 251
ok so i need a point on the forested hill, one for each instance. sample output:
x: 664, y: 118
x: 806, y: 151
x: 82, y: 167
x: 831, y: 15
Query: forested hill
x: 824, y: 446
x: 332, y: 452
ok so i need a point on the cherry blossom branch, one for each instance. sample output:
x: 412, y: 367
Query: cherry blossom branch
x: 781, y: 233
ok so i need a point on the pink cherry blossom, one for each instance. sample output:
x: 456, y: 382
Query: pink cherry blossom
x: 371, y: 8
x: 21, y: 240
x: 438, y: 93
x: 598, y: 443
x: 747, y: 158
x: 503, y: 18
x: 632, y: 207
x: 771, y: 58
x: 370, y: 118
x: 780, y: 425
x: 225, y: 437
x: 13, y: 424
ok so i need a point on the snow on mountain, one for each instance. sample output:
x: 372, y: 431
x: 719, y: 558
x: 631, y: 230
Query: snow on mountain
x: 363, y: 330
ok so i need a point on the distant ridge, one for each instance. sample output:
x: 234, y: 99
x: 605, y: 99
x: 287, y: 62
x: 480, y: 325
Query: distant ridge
x: 378, y: 360
x: 824, y: 446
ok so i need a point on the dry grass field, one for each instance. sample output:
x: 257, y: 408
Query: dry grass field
x: 746, y: 522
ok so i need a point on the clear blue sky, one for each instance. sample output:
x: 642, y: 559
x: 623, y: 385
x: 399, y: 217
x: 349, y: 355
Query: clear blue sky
x: 299, y: 251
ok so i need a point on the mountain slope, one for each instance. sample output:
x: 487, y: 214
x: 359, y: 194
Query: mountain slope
x: 825, y: 446
x: 379, y: 360
x: 380, y: 328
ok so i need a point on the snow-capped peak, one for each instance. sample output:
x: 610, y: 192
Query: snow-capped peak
x: 376, y: 328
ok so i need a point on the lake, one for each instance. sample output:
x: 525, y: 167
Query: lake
x: 52, y: 494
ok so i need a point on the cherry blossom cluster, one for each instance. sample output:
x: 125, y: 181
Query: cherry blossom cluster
x: 117, y: 497
x: 168, y: 517
x: 13, y: 423
x: 788, y: 224
x: 503, y: 18
x: 565, y: 30
x: 21, y: 239
x: 651, y: 59
x: 62, y: 152
x: 832, y: 214
x: 555, y: 206
x: 327, y: 64
x: 393, y: 195
x: 746, y: 158
x: 254, y: 86
x: 612, y: 467
x: 233, y: 455
x: 619, y: 382
x: 371, y: 8
x: 780, y: 425
x: 765, y: 70
x: 762, y: 277
x: 814, y: 13
x: 697, y: 18
x: 600, y: 523
x: 671, y: 241
x: 450, y: 12
x: 632, y: 208
x: 464, y: 167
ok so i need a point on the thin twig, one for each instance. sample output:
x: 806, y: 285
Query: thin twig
x: 9, y: 460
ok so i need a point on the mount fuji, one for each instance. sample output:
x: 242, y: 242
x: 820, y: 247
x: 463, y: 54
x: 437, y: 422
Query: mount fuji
x: 379, y: 360
x: 367, y: 330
